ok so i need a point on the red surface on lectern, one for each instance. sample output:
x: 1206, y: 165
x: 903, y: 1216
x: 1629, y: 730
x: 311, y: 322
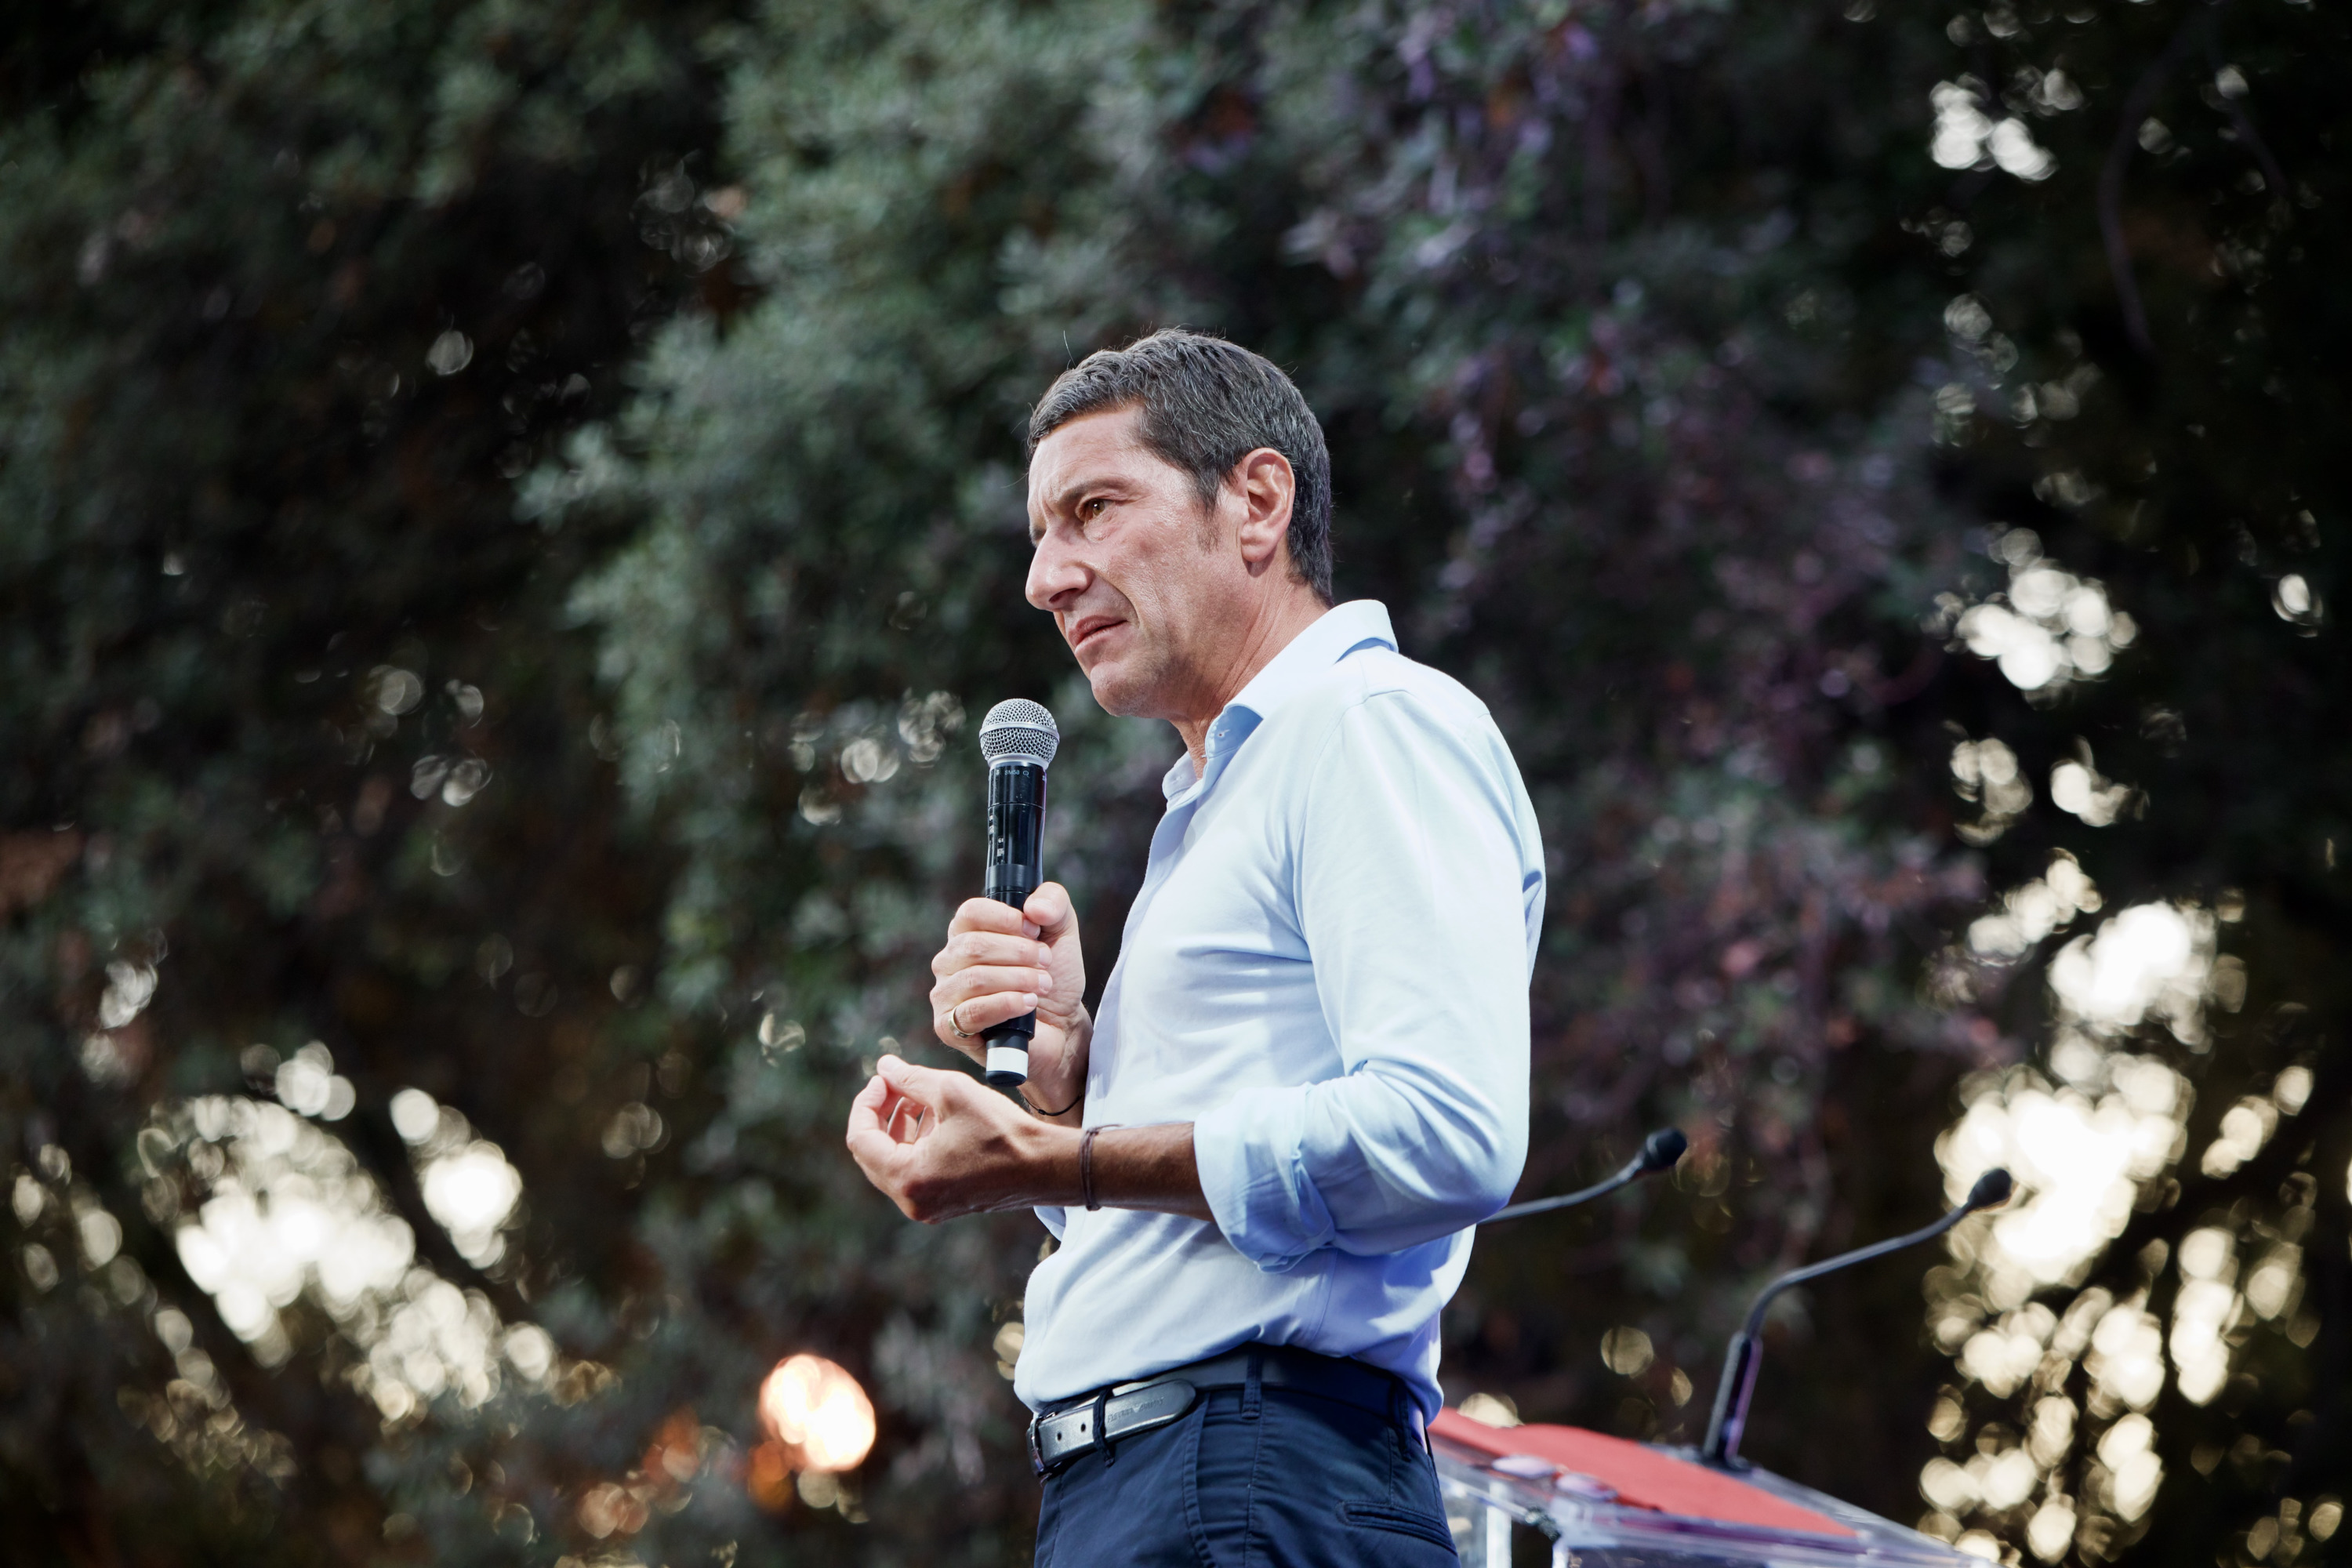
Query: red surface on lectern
x: 1638, y: 1474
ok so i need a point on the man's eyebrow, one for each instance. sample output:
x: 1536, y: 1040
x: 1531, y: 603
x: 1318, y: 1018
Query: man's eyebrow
x: 1069, y: 494
x: 1067, y: 498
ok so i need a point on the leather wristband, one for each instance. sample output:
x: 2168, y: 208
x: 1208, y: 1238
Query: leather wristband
x: 1087, y: 1168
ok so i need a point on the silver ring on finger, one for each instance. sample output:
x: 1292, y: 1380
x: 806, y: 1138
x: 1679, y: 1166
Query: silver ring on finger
x: 957, y: 1024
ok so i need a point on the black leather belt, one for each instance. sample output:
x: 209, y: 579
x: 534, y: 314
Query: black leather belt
x: 1128, y: 1409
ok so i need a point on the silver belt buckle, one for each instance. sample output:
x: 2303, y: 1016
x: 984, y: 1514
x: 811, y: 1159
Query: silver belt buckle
x: 1036, y: 1452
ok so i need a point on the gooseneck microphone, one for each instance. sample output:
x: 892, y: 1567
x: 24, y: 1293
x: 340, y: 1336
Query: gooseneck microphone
x: 1745, y: 1356
x: 1019, y: 739
x: 1659, y: 1153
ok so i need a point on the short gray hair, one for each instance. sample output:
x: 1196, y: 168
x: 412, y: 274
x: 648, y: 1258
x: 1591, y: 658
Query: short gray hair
x: 1207, y: 404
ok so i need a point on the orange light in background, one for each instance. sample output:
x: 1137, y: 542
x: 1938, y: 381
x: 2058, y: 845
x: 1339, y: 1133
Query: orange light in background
x: 815, y: 1409
x: 607, y: 1507
x: 769, y: 1476
x: 676, y: 1452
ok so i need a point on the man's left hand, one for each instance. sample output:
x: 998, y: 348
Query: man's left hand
x: 942, y: 1146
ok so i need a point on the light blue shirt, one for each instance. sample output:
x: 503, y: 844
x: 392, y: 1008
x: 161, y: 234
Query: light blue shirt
x: 1326, y: 973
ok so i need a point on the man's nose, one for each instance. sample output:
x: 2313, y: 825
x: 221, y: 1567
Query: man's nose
x: 1054, y: 573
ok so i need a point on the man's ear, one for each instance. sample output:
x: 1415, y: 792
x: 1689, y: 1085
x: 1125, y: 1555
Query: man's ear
x: 1266, y: 487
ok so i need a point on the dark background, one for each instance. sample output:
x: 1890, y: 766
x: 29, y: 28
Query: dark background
x: 510, y: 513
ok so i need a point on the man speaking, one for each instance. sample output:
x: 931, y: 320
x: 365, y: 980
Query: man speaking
x: 1308, y: 1078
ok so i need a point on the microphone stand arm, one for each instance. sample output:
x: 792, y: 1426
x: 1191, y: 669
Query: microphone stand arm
x: 1659, y: 1153
x: 1568, y: 1200
x: 1745, y: 1357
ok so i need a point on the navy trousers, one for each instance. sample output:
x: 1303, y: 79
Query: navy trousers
x: 1252, y: 1478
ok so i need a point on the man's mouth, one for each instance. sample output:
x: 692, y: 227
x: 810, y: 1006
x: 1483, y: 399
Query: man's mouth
x: 1090, y: 628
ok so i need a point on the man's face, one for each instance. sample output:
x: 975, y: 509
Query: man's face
x: 1137, y: 573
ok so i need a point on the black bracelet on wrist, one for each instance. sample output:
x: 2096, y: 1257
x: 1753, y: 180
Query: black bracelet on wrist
x: 1049, y: 1115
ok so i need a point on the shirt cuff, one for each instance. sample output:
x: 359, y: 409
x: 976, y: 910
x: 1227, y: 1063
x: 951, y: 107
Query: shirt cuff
x: 1249, y: 1153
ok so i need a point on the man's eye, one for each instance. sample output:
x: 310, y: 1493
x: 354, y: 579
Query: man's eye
x: 1093, y: 508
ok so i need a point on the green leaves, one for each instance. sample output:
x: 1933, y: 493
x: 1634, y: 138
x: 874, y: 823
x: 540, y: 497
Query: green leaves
x: 645, y: 389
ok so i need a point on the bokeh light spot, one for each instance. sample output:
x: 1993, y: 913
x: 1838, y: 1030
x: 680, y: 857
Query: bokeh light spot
x: 816, y: 1408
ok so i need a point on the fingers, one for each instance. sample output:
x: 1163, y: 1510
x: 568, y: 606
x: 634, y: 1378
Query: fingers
x: 866, y: 1110
x: 987, y: 914
x: 985, y: 1012
x: 988, y: 979
x: 964, y: 950
x: 958, y: 1148
x: 985, y: 979
x: 880, y: 1107
x: 872, y: 1143
x: 937, y: 1093
x: 929, y: 1088
x: 971, y: 1000
x: 1050, y: 911
x: 1000, y: 963
x: 885, y: 1124
x: 905, y: 1119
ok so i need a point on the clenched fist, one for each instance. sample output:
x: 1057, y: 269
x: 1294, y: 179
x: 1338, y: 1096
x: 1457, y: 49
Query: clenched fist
x: 1000, y: 962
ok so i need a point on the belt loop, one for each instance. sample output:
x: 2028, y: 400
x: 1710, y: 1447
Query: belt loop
x: 1102, y: 1418
x: 1251, y: 1396
x: 1413, y: 1439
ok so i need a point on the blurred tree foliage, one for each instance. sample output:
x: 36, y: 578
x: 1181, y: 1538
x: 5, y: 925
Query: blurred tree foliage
x: 292, y: 291
x: 509, y: 507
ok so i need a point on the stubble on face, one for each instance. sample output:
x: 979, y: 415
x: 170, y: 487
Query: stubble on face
x: 1126, y: 551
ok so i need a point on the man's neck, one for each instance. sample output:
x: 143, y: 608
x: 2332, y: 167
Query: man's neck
x: 1275, y: 628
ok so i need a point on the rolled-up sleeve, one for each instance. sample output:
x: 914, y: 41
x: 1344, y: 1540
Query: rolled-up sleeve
x: 1418, y: 884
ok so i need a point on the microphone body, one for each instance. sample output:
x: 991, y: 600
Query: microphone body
x: 1019, y: 739
x: 1017, y: 836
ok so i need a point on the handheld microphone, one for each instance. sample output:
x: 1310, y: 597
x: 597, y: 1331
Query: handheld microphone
x: 1019, y: 739
x: 1745, y: 1356
x: 1659, y: 1153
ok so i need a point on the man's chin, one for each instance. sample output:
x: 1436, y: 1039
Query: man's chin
x: 1116, y: 692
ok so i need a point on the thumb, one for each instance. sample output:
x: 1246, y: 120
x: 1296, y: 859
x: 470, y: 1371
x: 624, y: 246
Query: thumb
x: 865, y: 1130
x: 1049, y: 910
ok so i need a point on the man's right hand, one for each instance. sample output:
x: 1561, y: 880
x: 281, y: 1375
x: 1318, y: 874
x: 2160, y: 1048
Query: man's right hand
x: 1000, y: 962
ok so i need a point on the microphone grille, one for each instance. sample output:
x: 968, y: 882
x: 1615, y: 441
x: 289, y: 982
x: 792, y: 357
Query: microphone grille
x: 1019, y: 730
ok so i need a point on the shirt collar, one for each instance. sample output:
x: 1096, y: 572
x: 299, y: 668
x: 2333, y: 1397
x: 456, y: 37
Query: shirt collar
x: 1332, y: 637
x: 1337, y: 633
